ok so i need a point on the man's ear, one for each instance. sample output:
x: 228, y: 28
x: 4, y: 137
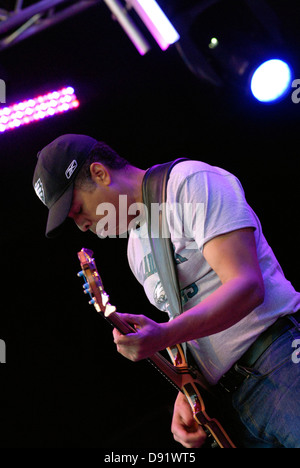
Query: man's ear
x: 100, y: 174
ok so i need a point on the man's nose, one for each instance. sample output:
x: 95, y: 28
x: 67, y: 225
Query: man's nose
x: 82, y: 223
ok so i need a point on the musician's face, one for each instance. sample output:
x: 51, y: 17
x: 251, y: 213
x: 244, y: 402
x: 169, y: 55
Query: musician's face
x: 84, y: 208
x: 102, y: 208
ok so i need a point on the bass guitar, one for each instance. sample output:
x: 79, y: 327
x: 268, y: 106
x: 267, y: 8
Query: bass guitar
x: 185, y: 379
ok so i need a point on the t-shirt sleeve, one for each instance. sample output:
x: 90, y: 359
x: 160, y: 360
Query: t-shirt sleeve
x: 213, y: 204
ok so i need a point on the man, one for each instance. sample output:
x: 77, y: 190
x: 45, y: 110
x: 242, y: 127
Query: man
x: 234, y: 292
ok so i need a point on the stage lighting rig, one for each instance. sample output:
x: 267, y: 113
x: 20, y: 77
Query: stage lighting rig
x: 235, y: 43
x: 136, y: 16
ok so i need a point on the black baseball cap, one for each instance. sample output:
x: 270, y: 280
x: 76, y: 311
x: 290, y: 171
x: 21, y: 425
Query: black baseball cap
x: 53, y: 181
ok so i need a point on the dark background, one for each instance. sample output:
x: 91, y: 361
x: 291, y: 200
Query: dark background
x: 64, y: 385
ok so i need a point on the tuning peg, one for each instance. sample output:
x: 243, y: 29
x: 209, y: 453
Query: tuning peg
x: 86, y: 288
x: 80, y: 274
x: 92, y: 301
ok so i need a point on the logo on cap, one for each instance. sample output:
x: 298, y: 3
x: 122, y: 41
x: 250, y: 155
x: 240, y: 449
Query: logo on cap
x: 71, y: 168
x: 39, y: 190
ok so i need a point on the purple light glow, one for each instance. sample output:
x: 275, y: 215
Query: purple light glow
x: 156, y: 21
x: 38, y: 108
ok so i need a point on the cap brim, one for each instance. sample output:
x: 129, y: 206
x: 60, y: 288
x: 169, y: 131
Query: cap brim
x: 58, y: 213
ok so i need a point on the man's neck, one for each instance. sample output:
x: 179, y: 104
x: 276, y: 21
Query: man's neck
x: 133, y: 182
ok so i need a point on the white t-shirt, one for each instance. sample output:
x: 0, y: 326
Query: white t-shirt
x: 212, y: 202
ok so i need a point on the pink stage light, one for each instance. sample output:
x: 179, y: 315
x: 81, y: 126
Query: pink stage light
x: 40, y: 107
x: 156, y: 21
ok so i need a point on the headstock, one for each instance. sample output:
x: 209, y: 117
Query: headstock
x: 93, y: 284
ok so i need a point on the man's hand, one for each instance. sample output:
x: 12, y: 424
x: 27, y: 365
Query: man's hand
x: 147, y: 340
x: 185, y: 429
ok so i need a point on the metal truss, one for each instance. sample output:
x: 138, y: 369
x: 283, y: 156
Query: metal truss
x: 17, y: 21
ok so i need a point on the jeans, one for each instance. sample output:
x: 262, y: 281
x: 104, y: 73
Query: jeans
x: 268, y: 401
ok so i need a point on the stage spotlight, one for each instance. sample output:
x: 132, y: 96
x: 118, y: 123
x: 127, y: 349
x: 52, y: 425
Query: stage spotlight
x: 156, y: 21
x: 122, y: 15
x: 235, y: 44
x: 153, y: 18
x: 271, y: 80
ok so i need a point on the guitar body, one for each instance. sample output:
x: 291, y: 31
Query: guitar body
x: 186, y: 379
x: 192, y: 385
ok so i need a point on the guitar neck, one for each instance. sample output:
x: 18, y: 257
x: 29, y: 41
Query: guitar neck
x: 182, y: 380
x: 170, y: 372
x: 179, y: 374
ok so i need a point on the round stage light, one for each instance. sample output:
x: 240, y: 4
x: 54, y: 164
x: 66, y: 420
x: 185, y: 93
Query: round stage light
x: 271, y: 80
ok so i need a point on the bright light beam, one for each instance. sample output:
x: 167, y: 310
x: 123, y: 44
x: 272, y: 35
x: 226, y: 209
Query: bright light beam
x: 128, y: 25
x: 271, y: 80
x: 40, y: 107
x: 156, y: 21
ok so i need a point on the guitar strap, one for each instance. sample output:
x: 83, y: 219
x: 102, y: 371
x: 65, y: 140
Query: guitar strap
x: 155, y: 192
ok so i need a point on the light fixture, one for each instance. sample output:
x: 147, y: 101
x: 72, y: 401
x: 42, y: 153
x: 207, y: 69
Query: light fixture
x: 156, y: 21
x: 121, y: 14
x: 271, y: 80
x: 236, y: 44
x: 34, y: 109
x: 136, y: 15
